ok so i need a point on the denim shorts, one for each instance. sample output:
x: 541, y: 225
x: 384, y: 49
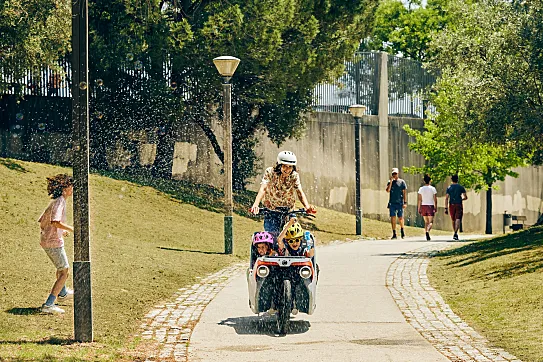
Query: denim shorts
x: 396, y: 209
x: 273, y: 224
x: 58, y: 257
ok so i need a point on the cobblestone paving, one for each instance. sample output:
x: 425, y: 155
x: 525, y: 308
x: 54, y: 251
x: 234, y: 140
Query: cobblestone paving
x: 171, y: 324
x: 428, y: 313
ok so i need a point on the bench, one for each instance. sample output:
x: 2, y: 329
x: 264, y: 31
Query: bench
x: 516, y: 219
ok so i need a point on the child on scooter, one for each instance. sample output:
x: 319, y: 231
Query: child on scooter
x: 264, y: 243
x: 294, y: 235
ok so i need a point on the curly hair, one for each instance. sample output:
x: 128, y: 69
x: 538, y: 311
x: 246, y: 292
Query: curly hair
x: 277, y: 168
x: 57, y: 184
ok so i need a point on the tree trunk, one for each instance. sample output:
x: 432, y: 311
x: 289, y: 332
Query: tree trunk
x: 162, y: 167
x: 488, y: 229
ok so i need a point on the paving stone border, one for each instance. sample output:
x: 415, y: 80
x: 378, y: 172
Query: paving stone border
x: 428, y: 313
x: 172, y: 324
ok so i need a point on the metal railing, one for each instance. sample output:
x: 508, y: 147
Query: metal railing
x: 359, y: 84
x: 407, y: 83
x: 38, y: 82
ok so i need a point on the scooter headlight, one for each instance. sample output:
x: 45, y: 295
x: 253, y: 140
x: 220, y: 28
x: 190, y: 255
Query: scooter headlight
x: 305, y: 272
x: 262, y: 271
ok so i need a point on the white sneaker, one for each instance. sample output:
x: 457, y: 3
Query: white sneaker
x: 69, y: 293
x: 270, y: 312
x: 51, y: 309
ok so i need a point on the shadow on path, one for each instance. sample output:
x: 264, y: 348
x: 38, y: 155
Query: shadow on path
x: 263, y: 325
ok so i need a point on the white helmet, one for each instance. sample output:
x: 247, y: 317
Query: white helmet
x: 286, y: 158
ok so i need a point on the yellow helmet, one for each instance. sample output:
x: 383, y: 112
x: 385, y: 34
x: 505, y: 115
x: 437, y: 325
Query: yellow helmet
x: 295, y: 231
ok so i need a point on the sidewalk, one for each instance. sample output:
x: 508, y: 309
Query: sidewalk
x: 374, y: 304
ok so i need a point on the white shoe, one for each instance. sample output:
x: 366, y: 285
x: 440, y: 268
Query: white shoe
x: 51, y: 309
x: 69, y: 293
x: 270, y: 312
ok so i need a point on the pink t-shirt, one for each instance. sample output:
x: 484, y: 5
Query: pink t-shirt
x: 51, y: 236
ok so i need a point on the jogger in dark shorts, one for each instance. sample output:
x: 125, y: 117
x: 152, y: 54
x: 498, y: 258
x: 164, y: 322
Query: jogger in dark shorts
x: 397, y: 201
x: 456, y: 193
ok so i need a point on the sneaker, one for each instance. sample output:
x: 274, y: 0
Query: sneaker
x: 272, y: 311
x: 428, y: 236
x: 455, y: 237
x: 51, y: 309
x: 69, y: 293
x: 402, y: 233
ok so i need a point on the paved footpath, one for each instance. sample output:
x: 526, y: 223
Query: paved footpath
x: 374, y: 304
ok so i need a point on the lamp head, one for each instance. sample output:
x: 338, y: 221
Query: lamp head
x: 357, y: 110
x: 226, y: 65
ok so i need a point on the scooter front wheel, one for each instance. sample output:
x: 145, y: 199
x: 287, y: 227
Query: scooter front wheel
x: 285, y: 308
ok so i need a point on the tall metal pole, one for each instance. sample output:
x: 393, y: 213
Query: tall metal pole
x: 357, y: 181
x: 80, y: 139
x: 227, y: 146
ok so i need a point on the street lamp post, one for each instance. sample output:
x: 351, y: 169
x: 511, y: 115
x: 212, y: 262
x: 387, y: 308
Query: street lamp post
x: 357, y: 111
x: 226, y: 66
x: 80, y: 139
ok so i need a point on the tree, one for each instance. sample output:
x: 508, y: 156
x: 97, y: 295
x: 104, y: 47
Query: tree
x: 407, y: 27
x: 448, y: 150
x: 286, y: 48
x: 492, y: 66
x: 34, y: 33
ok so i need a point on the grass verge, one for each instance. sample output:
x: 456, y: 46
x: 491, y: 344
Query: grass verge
x: 495, y: 286
x: 148, y: 239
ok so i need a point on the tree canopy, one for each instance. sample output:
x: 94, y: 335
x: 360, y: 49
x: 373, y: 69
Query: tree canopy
x: 407, y: 27
x: 491, y: 62
x: 286, y: 47
x: 34, y: 33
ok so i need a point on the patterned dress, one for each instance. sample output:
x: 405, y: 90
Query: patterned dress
x: 280, y: 192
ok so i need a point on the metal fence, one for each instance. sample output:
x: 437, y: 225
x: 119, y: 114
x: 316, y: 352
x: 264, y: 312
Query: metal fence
x: 407, y: 83
x: 39, y: 82
x: 359, y: 84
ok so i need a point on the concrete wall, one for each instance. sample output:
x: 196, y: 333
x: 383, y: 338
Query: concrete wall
x: 326, y: 164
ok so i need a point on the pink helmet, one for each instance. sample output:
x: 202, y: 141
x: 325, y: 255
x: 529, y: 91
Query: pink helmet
x: 262, y: 237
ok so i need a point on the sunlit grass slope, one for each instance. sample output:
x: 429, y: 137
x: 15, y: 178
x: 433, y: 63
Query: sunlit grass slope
x: 144, y: 246
x: 496, y: 285
x: 148, y: 238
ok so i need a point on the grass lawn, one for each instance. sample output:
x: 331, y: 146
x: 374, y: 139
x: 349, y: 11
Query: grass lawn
x: 148, y: 239
x: 496, y: 286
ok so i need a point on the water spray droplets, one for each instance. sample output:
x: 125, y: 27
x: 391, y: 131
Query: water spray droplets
x: 129, y: 57
x: 83, y: 85
x: 99, y: 82
x: 19, y: 116
x: 41, y: 126
x: 138, y: 65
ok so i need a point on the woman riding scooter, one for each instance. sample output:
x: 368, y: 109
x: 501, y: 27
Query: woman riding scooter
x: 279, y: 188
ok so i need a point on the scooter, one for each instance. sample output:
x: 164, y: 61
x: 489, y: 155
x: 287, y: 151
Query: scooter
x: 285, y: 283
